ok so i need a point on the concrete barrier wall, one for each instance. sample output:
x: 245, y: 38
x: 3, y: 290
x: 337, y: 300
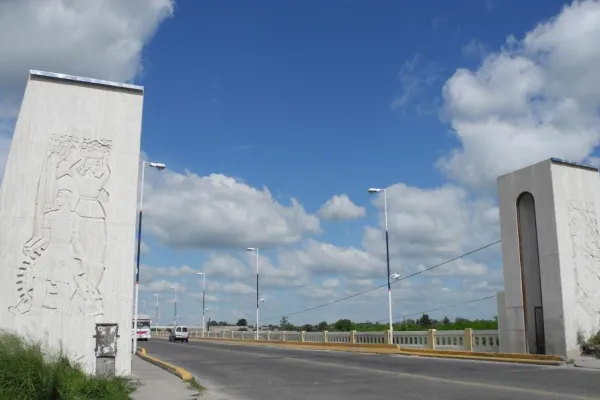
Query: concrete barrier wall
x: 483, y: 341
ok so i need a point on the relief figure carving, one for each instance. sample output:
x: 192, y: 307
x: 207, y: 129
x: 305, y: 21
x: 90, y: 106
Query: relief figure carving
x: 64, y: 260
x: 585, y: 239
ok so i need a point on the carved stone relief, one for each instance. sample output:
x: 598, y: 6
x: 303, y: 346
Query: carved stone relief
x: 64, y: 260
x: 585, y: 239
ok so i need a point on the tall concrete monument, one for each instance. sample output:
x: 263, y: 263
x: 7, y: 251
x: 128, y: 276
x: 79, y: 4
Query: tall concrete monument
x: 67, y: 218
x: 551, y: 253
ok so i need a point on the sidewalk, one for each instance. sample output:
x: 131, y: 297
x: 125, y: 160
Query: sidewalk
x: 156, y: 383
x: 587, y: 362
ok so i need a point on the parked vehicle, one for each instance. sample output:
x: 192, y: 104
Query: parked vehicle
x: 179, y: 334
x: 143, y: 330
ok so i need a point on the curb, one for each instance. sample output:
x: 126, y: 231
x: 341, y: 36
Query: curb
x: 532, y: 359
x: 181, y: 373
x: 491, y: 358
x: 511, y: 356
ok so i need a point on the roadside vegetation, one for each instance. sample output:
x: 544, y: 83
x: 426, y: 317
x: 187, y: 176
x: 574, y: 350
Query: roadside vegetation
x: 591, y: 346
x: 27, y: 373
x: 423, y: 323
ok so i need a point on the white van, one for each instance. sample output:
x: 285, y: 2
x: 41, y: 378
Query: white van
x: 179, y: 334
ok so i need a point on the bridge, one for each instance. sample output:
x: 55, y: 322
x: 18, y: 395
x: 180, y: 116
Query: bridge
x: 239, y: 370
x: 460, y: 340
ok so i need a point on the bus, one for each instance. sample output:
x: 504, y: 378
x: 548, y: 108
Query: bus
x: 143, y: 327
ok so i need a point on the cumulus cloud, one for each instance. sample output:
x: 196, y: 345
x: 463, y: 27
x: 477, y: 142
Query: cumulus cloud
x: 99, y: 39
x: 340, y: 208
x: 538, y: 97
x: 474, y: 48
x: 429, y: 226
x: 238, y: 288
x: 209, y: 298
x: 167, y: 271
x: 330, y: 283
x: 324, y: 258
x: 224, y: 265
x: 191, y: 211
x: 162, y: 285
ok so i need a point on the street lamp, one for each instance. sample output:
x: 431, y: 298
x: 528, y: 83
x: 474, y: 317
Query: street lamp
x: 204, y: 309
x: 174, y: 287
x: 387, y: 252
x: 254, y: 249
x: 160, y: 167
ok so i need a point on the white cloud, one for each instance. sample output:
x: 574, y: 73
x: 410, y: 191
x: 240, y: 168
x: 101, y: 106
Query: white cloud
x: 144, y: 248
x: 238, y: 288
x: 415, y: 77
x: 168, y: 271
x: 330, y: 283
x: 187, y: 210
x: 324, y: 258
x: 536, y: 98
x: 285, y: 275
x: 459, y: 268
x: 220, y: 264
x: 162, y: 285
x: 429, y: 226
x: 325, y: 291
x: 99, y: 39
x: 209, y: 298
x: 340, y: 208
x: 474, y: 48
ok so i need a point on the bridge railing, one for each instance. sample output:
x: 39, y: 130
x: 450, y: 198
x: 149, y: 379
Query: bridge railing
x: 462, y: 340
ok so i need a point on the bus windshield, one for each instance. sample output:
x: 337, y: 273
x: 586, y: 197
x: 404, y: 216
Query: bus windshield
x: 142, y: 323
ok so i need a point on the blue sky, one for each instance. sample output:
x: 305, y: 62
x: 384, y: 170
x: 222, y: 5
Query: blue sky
x: 265, y: 110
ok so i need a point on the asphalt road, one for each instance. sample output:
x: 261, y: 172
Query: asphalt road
x: 232, y: 371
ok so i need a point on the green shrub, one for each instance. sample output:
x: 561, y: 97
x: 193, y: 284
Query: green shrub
x: 27, y: 373
x: 591, y: 346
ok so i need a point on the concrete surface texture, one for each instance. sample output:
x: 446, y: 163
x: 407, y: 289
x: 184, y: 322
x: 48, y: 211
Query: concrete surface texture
x: 587, y: 362
x: 68, y: 215
x: 550, y: 241
x: 251, y: 372
x: 155, y: 383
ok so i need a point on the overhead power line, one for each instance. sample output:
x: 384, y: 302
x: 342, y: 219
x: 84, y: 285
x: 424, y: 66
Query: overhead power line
x: 383, y: 285
x: 439, y: 308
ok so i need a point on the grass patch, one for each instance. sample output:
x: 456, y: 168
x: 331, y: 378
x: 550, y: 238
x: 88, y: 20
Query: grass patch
x: 28, y: 373
x: 194, y: 385
x: 591, y: 346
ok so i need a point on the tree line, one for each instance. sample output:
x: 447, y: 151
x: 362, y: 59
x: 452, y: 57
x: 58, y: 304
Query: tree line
x: 422, y: 323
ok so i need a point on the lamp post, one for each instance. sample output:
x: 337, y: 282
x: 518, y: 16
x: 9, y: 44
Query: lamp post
x: 160, y: 167
x: 203, y: 301
x: 174, y: 287
x: 255, y: 250
x: 387, y: 252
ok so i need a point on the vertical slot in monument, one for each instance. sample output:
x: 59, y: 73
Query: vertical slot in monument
x: 530, y: 274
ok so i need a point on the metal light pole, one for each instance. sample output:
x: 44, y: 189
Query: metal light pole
x: 174, y: 306
x: 203, y: 301
x: 387, y: 252
x: 158, y: 166
x: 254, y: 249
x: 156, y: 320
